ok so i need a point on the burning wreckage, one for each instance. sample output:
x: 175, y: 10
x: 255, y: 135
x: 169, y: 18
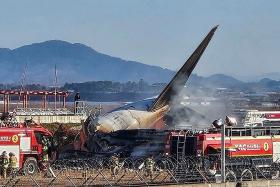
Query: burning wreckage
x: 137, y: 128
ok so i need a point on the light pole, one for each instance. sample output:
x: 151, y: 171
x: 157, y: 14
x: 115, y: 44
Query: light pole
x: 229, y: 121
x: 219, y: 124
x: 223, y: 154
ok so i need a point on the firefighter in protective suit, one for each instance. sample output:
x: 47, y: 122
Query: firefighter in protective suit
x: 4, y: 164
x: 149, y: 165
x: 45, y: 158
x: 114, y: 165
x: 12, y: 164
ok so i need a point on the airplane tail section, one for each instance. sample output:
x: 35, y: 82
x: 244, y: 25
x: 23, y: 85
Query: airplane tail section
x: 181, y: 77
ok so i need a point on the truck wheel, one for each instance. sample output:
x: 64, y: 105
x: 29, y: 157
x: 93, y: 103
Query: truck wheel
x: 30, y: 166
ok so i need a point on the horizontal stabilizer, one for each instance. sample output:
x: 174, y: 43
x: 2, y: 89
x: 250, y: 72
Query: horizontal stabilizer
x: 181, y: 77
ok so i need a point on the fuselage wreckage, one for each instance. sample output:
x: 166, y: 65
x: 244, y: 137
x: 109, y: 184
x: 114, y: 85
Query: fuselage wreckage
x: 148, y: 113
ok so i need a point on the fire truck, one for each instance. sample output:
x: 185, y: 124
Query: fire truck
x: 243, y: 142
x: 257, y: 147
x: 26, y: 143
x: 255, y: 118
x: 239, y: 142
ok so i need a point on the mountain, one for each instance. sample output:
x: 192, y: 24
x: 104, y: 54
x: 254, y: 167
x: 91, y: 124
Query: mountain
x: 79, y: 63
x: 252, y: 78
x: 214, y: 81
x: 75, y: 63
x: 222, y: 80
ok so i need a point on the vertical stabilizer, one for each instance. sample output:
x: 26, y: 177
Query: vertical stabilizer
x: 181, y: 77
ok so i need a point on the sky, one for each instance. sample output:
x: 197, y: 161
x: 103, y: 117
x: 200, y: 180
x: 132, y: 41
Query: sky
x: 156, y: 32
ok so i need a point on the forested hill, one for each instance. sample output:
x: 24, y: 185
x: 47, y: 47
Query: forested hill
x: 75, y: 63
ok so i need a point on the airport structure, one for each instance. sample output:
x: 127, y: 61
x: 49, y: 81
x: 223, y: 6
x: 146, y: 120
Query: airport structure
x: 57, y: 112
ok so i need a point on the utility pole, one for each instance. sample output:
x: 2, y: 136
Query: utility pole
x: 22, y: 87
x: 23, y: 78
x: 223, y: 153
x: 55, y: 84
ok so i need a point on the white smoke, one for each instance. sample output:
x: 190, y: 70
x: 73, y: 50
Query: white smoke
x: 197, y: 108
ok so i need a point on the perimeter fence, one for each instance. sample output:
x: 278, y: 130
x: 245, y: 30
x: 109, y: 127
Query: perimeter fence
x: 135, y: 172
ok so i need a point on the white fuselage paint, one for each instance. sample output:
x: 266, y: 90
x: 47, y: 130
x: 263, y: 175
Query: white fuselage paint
x: 131, y: 116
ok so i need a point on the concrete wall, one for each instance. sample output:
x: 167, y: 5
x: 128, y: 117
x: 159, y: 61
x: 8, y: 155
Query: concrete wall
x: 258, y: 183
x: 62, y: 119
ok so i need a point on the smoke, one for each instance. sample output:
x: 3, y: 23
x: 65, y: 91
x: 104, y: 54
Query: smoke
x: 147, y: 149
x: 196, y: 108
x: 149, y: 142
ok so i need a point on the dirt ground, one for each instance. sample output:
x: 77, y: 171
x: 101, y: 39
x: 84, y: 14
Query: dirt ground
x: 86, y: 177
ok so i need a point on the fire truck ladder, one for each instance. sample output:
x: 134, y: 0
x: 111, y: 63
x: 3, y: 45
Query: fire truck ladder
x: 181, y: 145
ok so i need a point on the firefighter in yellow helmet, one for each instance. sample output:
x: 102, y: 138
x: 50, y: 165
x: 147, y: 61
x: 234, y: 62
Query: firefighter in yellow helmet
x: 12, y: 164
x: 114, y: 164
x: 4, y: 163
x: 45, y: 158
x: 149, y: 165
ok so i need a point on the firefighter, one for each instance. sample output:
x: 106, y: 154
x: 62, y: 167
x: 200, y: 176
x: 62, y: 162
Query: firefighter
x: 213, y: 169
x: 13, y: 119
x: 76, y: 100
x: 28, y: 121
x: 12, y: 164
x: 4, y: 163
x: 114, y: 165
x: 149, y: 165
x: 45, y: 158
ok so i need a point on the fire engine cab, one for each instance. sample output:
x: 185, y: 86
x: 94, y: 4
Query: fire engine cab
x: 26, y: 144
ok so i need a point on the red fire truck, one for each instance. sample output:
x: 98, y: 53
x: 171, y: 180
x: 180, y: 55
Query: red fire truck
x: 239, y: 141
x: 258, y: 147
x: 26, y: 144
x: 255, y: 118
x: 244, y: 142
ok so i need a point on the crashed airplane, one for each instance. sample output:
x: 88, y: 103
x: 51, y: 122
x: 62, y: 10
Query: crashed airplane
x: 145, y: 114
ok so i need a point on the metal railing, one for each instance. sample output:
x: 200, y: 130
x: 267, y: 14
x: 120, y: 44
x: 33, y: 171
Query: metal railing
x: 42, y: 112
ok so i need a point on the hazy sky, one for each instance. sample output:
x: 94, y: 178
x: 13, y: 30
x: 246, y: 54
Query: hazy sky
x: 155, y: 32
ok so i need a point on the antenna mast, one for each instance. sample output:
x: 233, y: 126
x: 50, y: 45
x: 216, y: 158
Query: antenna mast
x: 55, y: 86
x: 23, y: 78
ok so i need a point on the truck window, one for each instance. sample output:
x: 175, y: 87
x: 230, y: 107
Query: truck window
x: 38, y: 136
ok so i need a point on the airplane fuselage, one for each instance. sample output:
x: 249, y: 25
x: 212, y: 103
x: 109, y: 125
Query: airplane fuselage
x: 131, y: 116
